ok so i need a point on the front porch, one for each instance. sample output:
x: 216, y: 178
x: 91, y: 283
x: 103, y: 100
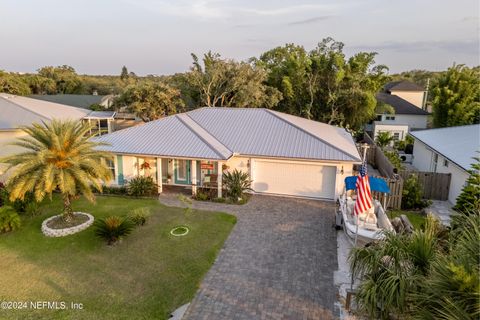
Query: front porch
x: 171, y: 174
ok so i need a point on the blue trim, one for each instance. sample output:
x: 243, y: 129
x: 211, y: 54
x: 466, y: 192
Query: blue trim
x: 187, y: 180
x: 120, y: 178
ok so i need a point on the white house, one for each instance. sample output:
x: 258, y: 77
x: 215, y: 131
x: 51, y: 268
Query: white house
x: 447, y: 150
x: 406, y: 99
x: 283, y: 154
x: 18, y: 111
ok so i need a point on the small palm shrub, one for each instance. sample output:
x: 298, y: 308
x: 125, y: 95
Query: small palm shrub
x: 112, y: 229
x: 142, y: 187
x: 236, y: 183
x: 9, y: 219
x: 391, y: 270
x: 383, y: 139
x: 139, y: 216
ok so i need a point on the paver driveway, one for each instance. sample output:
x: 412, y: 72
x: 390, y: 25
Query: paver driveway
x: 277, y: 263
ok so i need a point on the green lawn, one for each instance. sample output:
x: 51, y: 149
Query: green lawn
x: 147, y: 276
x: 417, y: 219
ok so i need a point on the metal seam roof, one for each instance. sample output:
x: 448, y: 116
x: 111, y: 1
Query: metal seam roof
x: 315, y: 136
x: 218, y: 133
x: 203, y: 134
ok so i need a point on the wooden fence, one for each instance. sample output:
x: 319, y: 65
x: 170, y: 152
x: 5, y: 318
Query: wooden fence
x: 435, y: 185
x: 378, y: 160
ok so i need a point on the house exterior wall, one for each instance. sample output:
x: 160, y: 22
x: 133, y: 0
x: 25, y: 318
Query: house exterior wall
x: 414, y: 97
x: 343, y: 169
x: 422, y: 156
x: 413, y: 121
x: 423, y: 160
x: 7, y: 137
x: 239, y: 163
x: 401, y: 129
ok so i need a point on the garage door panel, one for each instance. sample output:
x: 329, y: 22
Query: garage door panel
x: 296, y: 179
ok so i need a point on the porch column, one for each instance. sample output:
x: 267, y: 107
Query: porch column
x: 193, y: 173
x: 219, y: 179
x: 159, y: 175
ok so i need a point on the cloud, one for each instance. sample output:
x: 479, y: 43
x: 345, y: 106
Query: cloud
x: 308, y: 21
x: 455, y: 46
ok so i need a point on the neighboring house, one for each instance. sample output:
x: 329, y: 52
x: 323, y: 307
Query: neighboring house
x: 408, y: 91
x: 18, y: 111
x: 447, y: 150
x: 121, y: 120
x: 77, y: 100
x: 406, y: 99
x: 283, y: 154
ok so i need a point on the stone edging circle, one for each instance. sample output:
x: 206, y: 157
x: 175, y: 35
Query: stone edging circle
x: 172, y: 232
x: 49, y: 232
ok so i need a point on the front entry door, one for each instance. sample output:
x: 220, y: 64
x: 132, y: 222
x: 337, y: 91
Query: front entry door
x: 182, y: 171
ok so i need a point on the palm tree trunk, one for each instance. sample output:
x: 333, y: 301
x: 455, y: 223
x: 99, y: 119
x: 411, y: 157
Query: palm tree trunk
x: 67, y: 208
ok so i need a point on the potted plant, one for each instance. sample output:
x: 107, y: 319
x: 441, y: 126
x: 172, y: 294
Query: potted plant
x: 169, y: 178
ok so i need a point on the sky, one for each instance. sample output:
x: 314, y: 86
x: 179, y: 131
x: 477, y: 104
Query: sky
x: 157, y: 37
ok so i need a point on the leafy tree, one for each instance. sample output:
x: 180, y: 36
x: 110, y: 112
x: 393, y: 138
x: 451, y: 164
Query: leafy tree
x: 323, y: 84
x: 66, y: 79
x: 58, y: 156
x: 226, y: 83
x: 124, y: 75
x: 151, y: 101
x: 287, y: 68
x: 13, y: 84
x: 383, y: 139
x: 469, y: 200
x: 41, y: 85
x: 456, y: 97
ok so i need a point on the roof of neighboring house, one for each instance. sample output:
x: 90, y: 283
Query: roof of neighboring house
x: 400, y: 105
x: 220, y: 133
x: 17, y: 111
x: 403, y: 85
x: 101, y: 115
x: 458, y: 144
x: 74, y: 100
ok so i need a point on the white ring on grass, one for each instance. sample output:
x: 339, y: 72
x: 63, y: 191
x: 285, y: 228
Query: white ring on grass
x: 179, y: 234
x: 50, y: 232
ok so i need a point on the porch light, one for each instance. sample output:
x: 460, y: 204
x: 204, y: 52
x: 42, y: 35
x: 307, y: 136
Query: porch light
x: 341, y: 171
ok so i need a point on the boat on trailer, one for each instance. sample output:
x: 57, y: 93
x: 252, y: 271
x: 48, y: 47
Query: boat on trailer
x: 369, y: 226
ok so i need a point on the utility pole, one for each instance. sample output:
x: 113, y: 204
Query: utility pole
x: 425, y: 95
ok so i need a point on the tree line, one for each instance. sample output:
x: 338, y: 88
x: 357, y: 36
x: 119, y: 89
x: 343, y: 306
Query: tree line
x: 322, y: 84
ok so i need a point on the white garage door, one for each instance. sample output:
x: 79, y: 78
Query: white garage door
x: 296, y: 179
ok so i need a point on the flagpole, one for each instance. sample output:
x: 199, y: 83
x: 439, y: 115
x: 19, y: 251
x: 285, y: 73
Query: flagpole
x: 365, y: 147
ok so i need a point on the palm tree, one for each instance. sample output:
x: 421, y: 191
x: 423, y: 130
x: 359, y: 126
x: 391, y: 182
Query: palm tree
x: 60, y: 156
x: 392, y: 269
x: 383, y: 139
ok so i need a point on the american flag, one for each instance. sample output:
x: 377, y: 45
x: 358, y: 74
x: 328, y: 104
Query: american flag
x: 364, y: 195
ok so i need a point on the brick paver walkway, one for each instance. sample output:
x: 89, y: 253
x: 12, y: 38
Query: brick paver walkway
x: 277, y: 263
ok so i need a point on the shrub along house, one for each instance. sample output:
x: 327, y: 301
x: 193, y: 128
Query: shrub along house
x: 283, y: 154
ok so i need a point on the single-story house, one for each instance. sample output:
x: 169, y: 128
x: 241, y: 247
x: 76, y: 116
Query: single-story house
x: 121, y: 120
x: 18, y: 111
x: 283, y: 154
x: 447, y: 150
x: 77, y: 100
